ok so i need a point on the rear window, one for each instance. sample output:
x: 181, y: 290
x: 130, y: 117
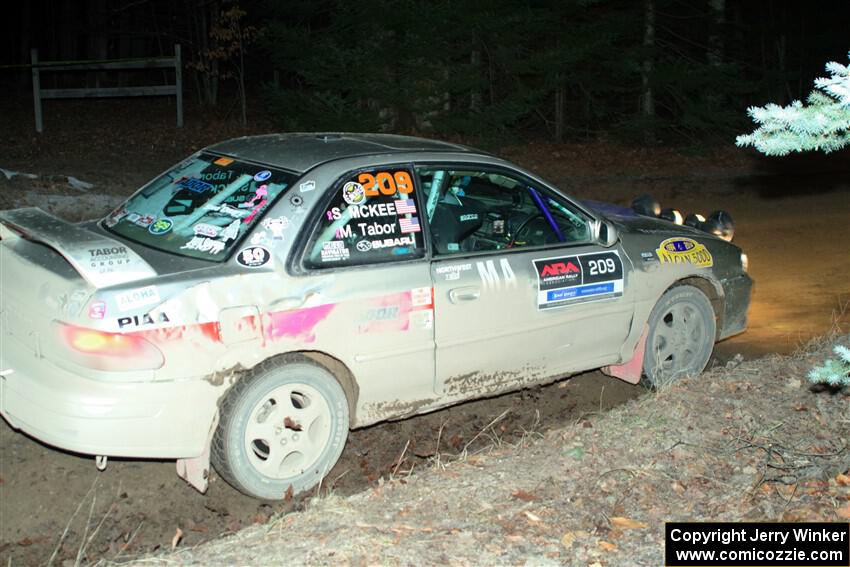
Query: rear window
x: 201, y: 208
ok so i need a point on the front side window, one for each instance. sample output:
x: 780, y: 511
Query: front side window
x: 373, y: 217
x: 472, y: 210
x: 200, y: 208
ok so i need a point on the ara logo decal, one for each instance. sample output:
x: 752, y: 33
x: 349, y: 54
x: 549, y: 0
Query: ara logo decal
x: 573, y: 279
x: 491, y: 279
x: 559, y: 268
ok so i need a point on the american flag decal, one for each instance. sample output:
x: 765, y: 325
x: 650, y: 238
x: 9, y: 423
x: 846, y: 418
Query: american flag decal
x: 409, y: 224
x: 405, y: 206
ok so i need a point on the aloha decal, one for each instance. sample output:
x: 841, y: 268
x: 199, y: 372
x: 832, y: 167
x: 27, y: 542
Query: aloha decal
x: 681, y: 250
x: 136, y: 298
x: 583, y: 277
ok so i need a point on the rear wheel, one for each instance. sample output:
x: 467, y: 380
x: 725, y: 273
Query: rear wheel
x: 285, y: 424
x: 681, y: 336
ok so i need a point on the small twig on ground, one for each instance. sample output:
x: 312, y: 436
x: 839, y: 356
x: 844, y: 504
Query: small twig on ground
x: 437, y: 462
x: 124, y: 547
x: 85, y: 532
x: 486, y: 427
x: 68, y: 525
x: 400, y: 459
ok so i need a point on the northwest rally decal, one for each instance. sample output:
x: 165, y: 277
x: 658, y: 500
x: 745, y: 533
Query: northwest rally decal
x: 574, y: 279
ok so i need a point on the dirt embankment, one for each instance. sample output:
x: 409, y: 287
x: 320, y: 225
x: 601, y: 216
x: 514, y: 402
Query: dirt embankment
x: 749, y: 443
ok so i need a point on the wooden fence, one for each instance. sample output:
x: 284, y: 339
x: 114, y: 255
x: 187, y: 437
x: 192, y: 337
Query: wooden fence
x: 175, y: 90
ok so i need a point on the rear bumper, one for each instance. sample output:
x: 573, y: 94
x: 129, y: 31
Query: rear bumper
x: 166, y: 420
x: 737, y: 291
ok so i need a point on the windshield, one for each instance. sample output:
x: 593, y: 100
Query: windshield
x: 200, y: 208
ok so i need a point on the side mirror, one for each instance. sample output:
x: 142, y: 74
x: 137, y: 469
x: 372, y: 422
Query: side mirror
x: 605, y: 233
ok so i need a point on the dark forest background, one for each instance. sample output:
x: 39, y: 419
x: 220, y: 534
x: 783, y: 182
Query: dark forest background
x: 653, y: 71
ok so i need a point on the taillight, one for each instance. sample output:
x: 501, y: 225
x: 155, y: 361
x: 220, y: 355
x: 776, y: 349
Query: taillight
x: 102, y: 350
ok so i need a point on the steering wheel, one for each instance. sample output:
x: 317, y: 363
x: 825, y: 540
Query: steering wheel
x: 522, y: 226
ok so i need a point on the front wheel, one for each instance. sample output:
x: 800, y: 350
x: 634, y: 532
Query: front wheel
x: 681, y: 336
x: 284, y: 425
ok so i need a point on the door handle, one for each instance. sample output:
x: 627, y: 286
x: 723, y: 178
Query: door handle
x: 469, y: 293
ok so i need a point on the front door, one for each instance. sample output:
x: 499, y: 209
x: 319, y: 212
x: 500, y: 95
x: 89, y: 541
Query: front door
x: 521, y: 293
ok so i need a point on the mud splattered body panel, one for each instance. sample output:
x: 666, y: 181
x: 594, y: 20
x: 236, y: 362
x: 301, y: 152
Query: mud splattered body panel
x: 332, y: 246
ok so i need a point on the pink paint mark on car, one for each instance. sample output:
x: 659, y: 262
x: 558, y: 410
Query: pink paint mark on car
x: 298, y: 323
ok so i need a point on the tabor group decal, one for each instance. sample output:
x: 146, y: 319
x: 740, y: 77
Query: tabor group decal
x: 684, y: 251
x: 584, y: 277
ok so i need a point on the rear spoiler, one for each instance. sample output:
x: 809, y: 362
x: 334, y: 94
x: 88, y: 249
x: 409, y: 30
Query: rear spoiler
x: 101, y: 260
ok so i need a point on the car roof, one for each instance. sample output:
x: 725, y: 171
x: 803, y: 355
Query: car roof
x: 303, y: 151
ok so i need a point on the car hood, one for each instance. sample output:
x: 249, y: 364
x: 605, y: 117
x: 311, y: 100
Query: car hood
x: 628, y: 220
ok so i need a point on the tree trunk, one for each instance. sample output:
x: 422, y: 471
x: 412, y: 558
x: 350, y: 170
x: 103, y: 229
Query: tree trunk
x: 475, y: 94
x: 716, y: 46
x: 647, y: 97
x: 560, y: 119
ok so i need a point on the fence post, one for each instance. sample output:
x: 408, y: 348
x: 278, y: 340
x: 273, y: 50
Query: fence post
x: 36, y: 90
x: 178, y: 83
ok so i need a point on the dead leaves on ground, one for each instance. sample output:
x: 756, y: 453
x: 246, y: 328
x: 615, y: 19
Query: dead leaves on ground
x: 627, y: 523
x: 520, y: 494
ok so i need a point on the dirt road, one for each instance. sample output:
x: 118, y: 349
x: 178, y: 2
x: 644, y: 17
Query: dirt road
x: 795, y: 230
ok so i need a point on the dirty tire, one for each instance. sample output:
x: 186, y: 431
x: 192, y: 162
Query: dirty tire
x: 284, y: 424
x: 681, y: 336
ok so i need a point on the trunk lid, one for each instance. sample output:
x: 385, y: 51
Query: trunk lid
x: 102, y: 261
x: 49, y: 269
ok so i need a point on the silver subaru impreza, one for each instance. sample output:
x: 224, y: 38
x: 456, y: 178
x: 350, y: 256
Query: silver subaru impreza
x: 253, y: 303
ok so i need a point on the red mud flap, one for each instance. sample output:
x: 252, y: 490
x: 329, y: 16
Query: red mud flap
x: 631, y: 370
x: 196, y: 471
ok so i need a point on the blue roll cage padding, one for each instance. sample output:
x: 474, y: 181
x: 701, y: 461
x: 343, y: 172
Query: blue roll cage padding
x: 547, y: 215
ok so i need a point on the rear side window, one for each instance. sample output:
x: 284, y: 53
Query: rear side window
x: 201, y: 208
x: 373, y: 217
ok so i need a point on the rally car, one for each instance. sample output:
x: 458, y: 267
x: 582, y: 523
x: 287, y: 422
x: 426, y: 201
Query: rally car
x: 259, y: 299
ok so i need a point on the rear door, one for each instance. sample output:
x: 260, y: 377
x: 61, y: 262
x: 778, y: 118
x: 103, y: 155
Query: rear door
x: 521, y: 292
x: 366, y: 259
